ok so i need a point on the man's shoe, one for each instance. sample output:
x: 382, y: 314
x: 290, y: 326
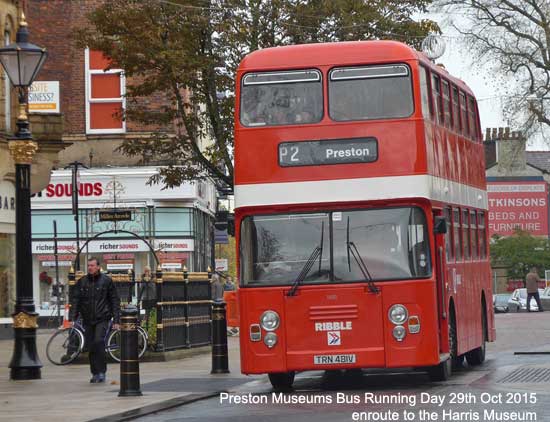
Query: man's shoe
x: 94, y: 379
x: 101, y: 377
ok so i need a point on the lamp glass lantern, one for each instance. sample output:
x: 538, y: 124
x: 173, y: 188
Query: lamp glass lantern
x: 22, y: 60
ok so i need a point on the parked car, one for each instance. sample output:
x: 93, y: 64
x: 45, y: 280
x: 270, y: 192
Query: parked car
x: 500, y: 302
x: 545, y: 299
x: 518, y: 301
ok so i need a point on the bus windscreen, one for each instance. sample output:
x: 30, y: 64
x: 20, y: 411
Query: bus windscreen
x: 281, y: 98
x: 372, y: 92
x: 392, y: 242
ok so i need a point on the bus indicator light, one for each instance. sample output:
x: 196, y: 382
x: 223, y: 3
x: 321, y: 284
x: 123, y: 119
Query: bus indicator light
x: 414, y: 324
x: 255, y: 332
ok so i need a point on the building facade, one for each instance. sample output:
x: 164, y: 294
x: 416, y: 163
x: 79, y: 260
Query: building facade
x: 46, y: 129
x: 518, y: 193
x: 91, y: 98
x: 176, y: 223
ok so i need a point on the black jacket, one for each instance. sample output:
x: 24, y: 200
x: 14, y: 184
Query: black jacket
x: 95, y: 299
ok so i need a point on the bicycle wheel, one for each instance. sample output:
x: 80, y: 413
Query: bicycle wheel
x: 113, y: 344
x: 64, y: 346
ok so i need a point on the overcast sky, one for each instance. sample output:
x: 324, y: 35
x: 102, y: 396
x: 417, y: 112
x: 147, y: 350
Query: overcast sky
x: 460, y: 62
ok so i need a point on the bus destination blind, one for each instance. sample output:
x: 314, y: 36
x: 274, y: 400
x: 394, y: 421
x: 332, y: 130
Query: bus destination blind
x: 333, y: 151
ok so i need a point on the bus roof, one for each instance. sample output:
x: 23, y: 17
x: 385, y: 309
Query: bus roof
x: 346, y: 53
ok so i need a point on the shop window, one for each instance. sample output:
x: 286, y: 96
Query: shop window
x: 171, y: 222
x: 104, y: 95
x: 42, y: 224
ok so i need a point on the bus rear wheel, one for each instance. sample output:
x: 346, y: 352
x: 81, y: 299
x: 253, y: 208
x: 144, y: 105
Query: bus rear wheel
x: 477, y: 356
x: 281, y: 380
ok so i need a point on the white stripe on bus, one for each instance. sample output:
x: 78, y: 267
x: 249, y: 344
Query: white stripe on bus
x: 365, y: 189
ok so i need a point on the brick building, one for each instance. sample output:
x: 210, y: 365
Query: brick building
x: 90, y: 97
x: 517, y: 189
x: 46, y: 129
x: 177, y: 222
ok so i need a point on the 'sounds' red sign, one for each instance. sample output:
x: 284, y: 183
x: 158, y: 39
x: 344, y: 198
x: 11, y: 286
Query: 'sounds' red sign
x: 518, y: 204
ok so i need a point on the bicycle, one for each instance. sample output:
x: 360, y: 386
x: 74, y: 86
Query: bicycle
x: 66, y: 344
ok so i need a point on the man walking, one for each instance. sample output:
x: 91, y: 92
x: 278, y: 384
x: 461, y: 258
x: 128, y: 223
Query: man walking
x: 532, y: 283
x: 96, y: 301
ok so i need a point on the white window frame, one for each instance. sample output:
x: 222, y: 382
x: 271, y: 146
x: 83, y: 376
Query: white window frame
x: 88, y: 92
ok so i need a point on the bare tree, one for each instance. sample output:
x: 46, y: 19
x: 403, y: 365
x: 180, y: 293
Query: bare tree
x: 515, y: 35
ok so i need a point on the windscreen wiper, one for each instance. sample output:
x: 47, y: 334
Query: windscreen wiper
x: 350, y: 247
x: 321, y: 245
x: 305, y: 270
x: 363, y: 267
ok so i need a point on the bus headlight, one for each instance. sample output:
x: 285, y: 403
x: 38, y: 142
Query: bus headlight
x: 399, y: 332
x: 398, y: 314
x: 270, y: 340
x: 269, y: 320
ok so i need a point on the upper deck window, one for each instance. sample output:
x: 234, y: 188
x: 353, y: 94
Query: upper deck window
x: 370, y: 92
x: 281, y: 98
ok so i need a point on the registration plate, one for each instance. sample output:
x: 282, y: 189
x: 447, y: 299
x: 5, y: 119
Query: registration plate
x: 333, y: 359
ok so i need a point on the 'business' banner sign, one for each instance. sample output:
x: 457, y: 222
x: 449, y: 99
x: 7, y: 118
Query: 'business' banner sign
x: 44, y: 97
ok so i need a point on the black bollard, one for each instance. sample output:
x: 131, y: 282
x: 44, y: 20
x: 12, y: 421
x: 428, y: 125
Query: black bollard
x: 220, y: 357
x: 129, y: 360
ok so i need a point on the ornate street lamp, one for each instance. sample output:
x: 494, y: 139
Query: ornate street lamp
x: 22, y: 61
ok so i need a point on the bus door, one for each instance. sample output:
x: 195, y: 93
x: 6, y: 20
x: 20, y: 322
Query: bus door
x: 442, y: 242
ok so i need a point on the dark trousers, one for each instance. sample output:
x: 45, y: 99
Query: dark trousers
x: 537, y: 299
x: 95, y: 339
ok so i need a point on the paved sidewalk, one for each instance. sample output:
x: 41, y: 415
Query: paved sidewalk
x: 64, y: 392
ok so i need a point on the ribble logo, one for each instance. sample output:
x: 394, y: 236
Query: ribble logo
x: 65, y: 189
x: 333, y: 326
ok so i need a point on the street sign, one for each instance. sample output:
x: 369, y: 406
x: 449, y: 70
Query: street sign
x: 115, y: 215
x: 222, y: 264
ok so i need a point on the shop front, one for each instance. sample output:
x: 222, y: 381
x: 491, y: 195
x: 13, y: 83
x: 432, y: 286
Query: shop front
x: 7, y: 248
x: 118, y: 210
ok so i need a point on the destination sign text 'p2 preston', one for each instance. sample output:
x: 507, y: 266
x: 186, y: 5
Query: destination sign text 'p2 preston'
x: 333, y: 151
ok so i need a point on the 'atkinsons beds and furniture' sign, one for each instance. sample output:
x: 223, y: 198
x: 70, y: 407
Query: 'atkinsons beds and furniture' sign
x: 518, y: 204
x: 44, y: 97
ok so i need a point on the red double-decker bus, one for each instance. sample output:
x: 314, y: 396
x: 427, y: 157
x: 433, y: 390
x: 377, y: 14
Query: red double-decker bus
x: 360, y: 208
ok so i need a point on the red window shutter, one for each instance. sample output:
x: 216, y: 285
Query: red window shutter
x: 98, y: 61
x: 106, y: 115
x: 106, y: 85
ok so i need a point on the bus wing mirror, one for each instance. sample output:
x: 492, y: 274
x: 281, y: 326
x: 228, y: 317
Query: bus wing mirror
x: 440, y: 225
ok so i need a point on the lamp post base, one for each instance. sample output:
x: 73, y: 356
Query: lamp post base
x: 25, y: 364
x: 21, y: 374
